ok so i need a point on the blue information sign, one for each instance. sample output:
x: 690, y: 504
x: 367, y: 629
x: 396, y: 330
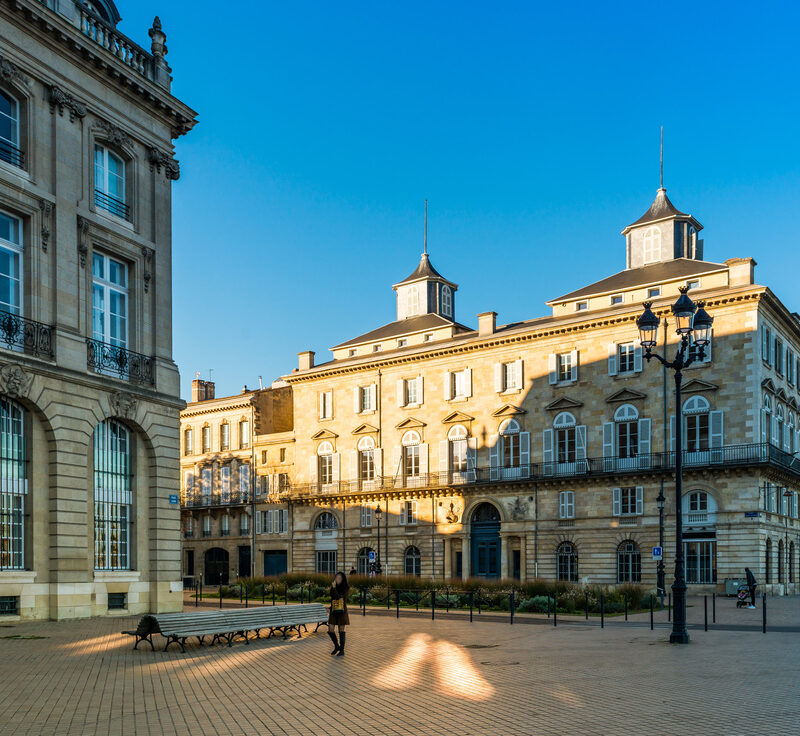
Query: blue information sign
x: 173, y: 498
x: 657, y: 552
x: 372, y: 555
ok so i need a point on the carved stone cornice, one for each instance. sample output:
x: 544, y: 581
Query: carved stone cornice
x: 147, y: 273
x: 47, y: 208
x: 113, y: 133
x: 159, y: 159
x: 9, y: 72
x: 64, y: 100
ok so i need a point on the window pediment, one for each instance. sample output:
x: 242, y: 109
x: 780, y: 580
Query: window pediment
x: 410, y: 423
x: 563, y: 404
x: 508, y: 410
x: 365, y: 429
x: 324, y: 434
x: 625, y: 395
x: 457, y: 417
x: 768, y: 384
x: 781, y: 394
x: 696, y: 386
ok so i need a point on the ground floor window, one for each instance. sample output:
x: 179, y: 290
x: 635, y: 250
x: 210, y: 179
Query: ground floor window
x: 362, y: 561
x: 629, y: 563
x: 326, y: 561
x: 13, y: 486
x: 12, y: 514
x: 701, y: 561
x: 412, y: 561
x: 567, y: 558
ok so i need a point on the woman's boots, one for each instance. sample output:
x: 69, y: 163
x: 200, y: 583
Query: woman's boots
x: 332, y: 635
x: 341, y: 644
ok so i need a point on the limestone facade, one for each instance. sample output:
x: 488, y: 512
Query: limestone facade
x: 89, y: 392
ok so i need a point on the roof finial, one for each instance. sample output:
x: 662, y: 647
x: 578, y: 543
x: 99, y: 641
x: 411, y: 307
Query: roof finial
x: 425, y: 251
x: 662, y: 157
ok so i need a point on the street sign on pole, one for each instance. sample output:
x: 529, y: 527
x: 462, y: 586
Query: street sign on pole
x: 372, y: 555
x: 657, y: 553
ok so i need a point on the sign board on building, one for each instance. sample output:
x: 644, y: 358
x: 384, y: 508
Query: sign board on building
x: 657, y: 553
x: 751, y: 514
x: 173, y: 498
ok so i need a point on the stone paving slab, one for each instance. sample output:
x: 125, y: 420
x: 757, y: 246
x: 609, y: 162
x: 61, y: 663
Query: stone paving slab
x: 407, y: 676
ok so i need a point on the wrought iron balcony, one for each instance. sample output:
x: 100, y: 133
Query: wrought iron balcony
x: 26, y: 335
x: 11, y: 154
x: 112, y: 204
x: 116, y: 361
x: 200, y: 500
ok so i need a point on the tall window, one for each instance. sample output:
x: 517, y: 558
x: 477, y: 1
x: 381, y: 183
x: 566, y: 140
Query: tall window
x: 206, y: 439
x: 413, y: 301
x: 696, y: 418
x: 411, y: 455
x: 112, y: 496
x: 326, y: 561
x: 225, y: 436
x: 459, y: 381
x: 244, y: 481
x: 188, y: 442
x: 362, y: 561
x: 566, y: 504
x: 651, y: 243
x: 9, y: 130
x: 626, y: 419
x: 412, y: 561
x: 205, y: 484
x: 628, y: 501
x: 447, y: 301
x: 566, y: 437
x: 10, y: 263
x: 768, y: 561
x: 225, y: 483
x: 109, y: 181
x: 564, y: 366
x: 366, y: 516
x: 244, y: 434
x: 109, y: 301
x: 510, y: 444
x: 13, y: 485
x: 626, y: 353
x: 629, y: 563
x: 325, y: 463
x: 408, y: 513
x: 457, y: 438
x: 366, y: 459
x: 700, y: 556
x: 567, y: 559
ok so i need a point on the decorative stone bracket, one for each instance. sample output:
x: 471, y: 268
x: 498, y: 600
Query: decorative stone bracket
x: 63, y: 100
x: 159, y: 159
x: 83, y: 237
x: 47, y: 211
x: 147, y: 274
x: 114, y: 134
x: 9, y: 72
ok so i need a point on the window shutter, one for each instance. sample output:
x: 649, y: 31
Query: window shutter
x: 639, y: 500
x: 547, y: 451
x: 498, y: 377
x: 715, y: 426
x: 448, y: 386
x: 769, y: 346
x: 672, y: 434
x: 472, y: 459
x: 420, y: 395
x: 551, y: 368
x: 189, y: 481
x: 644, y: 436
x: 357, y: 399
x: 397, y: 465
x: 562, y: 505
x: 258, y: 522
x: 580, y: 442
x: 764, y: 343
x: 312, y: 469
x: 494, y: 457
x: 774, y: 430
x: 373, y: 393
x: 378, y: 460
x: 284, y: 520
x: 570, y: 504
x: 403, y: 506
x: 413, y: 518
x: 617, y: 502
x: 786, y: 434
x: 335, y: 467
x: 518, y: 373
x: 322, y: 405
x: 444, y: 458
x: 608, y: 445
x: 525, y: 454
x: 401, y: 393
x: 468, y: 372
x: 574, y: 367
x: 612, y: 359
x: 275, y: 482
x: 423, y: 459
x: 354, y: 468
x: 637, y: 359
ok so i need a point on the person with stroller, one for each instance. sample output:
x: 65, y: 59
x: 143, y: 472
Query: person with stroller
x: 752, y: 584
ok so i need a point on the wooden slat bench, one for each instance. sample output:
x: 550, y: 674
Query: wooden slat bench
x: 178, y: 627
x: 144, y: 631
x: 296, y: 616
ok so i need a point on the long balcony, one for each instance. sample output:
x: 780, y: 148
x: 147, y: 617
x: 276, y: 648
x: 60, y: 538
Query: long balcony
x: 112, y: 360
x: 728, y: 456
x: 206, y: 500
x: 26, y: 335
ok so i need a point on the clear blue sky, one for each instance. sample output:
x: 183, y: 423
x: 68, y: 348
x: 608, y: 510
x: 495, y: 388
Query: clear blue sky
x: 532, y: 129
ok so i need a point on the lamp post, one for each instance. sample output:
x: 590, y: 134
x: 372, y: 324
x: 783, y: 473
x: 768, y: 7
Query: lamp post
x: 691, y: 321
x: 660, y: 500
x: 378, y: 551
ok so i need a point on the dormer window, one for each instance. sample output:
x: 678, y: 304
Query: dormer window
x: 651, y: 245
x: 616, y: 299
x: 581, y: 306
x: 352, y: 353
x: 427, y: 337
x: 377, y: 348
x: 402, y: 342
x: 695, y: 284
x: 653, y: 292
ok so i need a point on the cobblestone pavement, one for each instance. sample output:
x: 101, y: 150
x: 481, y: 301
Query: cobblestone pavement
x: 407, y: 676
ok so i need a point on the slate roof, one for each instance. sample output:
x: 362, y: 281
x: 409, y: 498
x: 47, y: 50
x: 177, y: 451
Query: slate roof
x: 404, y: 327
x: 661, y: 208
x: 424, y: 270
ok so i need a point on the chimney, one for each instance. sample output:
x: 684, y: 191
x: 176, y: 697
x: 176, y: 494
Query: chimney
x: 244, y: 389
x: 741, y: 271
x: 306, y: 359
x: 202, y: 390
x: 487, y: 323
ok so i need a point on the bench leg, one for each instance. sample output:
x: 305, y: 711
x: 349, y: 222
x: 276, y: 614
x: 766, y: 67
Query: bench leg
x: 230, y: 640
x: 317, y: 627
x: 200, y: 639
x: 149, y: 640
x: 172, y: 640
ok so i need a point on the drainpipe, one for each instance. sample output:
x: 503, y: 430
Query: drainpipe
x: 536, y: 530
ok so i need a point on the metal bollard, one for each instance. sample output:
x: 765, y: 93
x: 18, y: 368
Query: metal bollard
x: 397, y: 602
x: 512, y: 607
x: 388, y: 597
x: 196, y: 595
x: 713, y: 608
x: 763, y: 613
x: 471, y: 598
x: 479, y: 603
x: 433, y: 605
x: 416, y: 600
x: 602, y: 611
x: 286, y: 594
x: 587, y: 606
x: 705, y: 613
x: 555, y: 611
x: 220, y: 595
x: 363, y: 601
x: 626, y: 606
x: 548, y: 605
x: 669, y: 607
x: 245, y: 596
x: 241, y: 590
x: 651, y: 612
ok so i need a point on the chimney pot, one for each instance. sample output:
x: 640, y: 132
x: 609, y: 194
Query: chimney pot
x: 487, y: 323
x: 306, y: 359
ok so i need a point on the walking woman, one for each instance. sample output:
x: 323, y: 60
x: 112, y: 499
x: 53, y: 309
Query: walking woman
x: 338, y: 616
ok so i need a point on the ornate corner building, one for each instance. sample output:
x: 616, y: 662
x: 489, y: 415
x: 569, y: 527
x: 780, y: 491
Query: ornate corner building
x: 538, y: 448
x: 89, y: 393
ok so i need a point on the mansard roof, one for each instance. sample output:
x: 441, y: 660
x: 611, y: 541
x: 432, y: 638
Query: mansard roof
x: 405, y: 327
x: 661, y: 209
x: 655, y: 273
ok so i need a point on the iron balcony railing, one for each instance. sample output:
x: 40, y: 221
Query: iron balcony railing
x: 116, y: 361
x: 199, y: 500
x: 11, y: 154
x: 658, y: 462
x: 26, y: 335
x: 112, y: 204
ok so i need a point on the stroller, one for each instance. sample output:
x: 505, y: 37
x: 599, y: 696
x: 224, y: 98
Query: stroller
x: 743, y: 597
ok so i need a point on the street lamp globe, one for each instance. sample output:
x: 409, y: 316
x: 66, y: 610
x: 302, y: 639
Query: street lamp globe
x: 648, y: 327
x: 701, y: 326
x: 683, y: 311
x: 378, y: 512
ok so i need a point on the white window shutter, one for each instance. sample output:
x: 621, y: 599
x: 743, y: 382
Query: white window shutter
x: 639, y: 500
x: 525, y: 454
x: 258, y: 522
x: 468, y: 372
x: 764, y: 343
x: 518, y: 375
x: 617, y: 502
x: 448, y: 386
x: 612, y: 359
x: 335, y: 467
x: 373, y: 392
x: 472, y: 458
x: 574, y: 367
x: 774, y: 431
x: 312, y: 469
x: 494, y: 457
x: 644, y: 436
x: 423, y: 459
x: 672, y: 433
x: 786, y: 432
x: 285, y: 519
x: 322, y: 405
x: 357, y: 399
x: 353, y: 466
x: 551, y: 368
x: 397, y: 465
x: 580, y: 442
x: 403, y: 506
x: 377, y: 456
x: 715, y: 427
x: 637, y: 359
x: 444, y: 456
x: 420, y: 387
x: 562, y: 505
x: 547, y: 446
x: 401, y: 392
x: 608, y: 440
x: 498, y: 377
x: 764, y: 424
x: 570, y: 504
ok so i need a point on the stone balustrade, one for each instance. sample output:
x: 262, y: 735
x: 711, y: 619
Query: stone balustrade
x: 121, y: 46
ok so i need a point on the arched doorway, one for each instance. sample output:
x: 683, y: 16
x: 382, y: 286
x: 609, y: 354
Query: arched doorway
x: 216, y: 566
x: 485, y: 541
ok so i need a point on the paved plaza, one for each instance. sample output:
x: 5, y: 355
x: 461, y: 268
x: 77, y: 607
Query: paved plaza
x: 408, y: 676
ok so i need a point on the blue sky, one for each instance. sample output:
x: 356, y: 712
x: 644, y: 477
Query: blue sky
x: 531, y: 128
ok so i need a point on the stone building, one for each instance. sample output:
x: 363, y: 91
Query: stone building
x: 539, y: 448
x: 89, y: 393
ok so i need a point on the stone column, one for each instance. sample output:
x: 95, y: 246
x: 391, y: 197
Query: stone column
x: 523, y: 557
x: 448, y: 558
x: 504, y: 556
x: 466, y: 557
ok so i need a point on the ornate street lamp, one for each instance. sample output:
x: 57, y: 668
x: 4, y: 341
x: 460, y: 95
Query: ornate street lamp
x: 378, y: 551
x: 690, y: 321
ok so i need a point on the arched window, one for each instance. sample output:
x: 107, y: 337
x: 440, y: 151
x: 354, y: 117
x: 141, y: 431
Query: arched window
x: 567, y: 561
x: 696, y: 423
x: 485, y: 513
x: 326, y: 520
x: 768, y: 561
x: 13, y: 485
x: 412, y: 303
x: 9, y: 130
x: 411, y: 454
x: 651, y: 245
x: 510, y: 443
x: 362, y: 561
x: 188, y: 441
x: 325, y: 463
x: 447, y: 301
x: 780, y: 439
x: 10, y: 264
x: 412, y: 561
x: 457, y: 439
x: 566, y: 437
x: 629, y: 563
x: 225, y: 436
x: 626, y: 420
x: 790, y: 425
x: 113, y: 498
x: 109, y: 181
x: 366, y: 459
